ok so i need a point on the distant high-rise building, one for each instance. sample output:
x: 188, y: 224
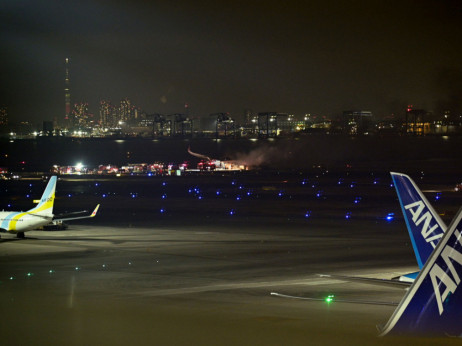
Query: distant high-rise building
x: 3, y: 116
x: 81, y: 116
x: 126, y: 111
x: 67, y: 95
x: 106, y: 113
x: 357, y: 122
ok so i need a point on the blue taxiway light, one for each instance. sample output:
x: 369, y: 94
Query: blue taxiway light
x: 438, y: 196
x: 162, y: 210
x: 348, y: 215
x: 232, y: 212
x: 390, y: 217
x: 308, y: 214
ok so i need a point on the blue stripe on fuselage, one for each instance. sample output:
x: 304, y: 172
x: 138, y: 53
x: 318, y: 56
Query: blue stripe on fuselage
x: 8, y: 218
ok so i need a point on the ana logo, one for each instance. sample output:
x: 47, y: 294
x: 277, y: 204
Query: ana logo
x: 416, y: 209
x: 440, y: 279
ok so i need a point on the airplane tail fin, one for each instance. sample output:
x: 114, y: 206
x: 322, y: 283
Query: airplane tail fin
x: 433, y: 304
x: 423, y: 223
x: 45, y: 205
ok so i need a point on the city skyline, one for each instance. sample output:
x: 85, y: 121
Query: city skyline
x: 319, y: 58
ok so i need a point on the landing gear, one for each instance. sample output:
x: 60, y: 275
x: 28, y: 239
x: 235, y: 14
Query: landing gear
x: 20, y: 235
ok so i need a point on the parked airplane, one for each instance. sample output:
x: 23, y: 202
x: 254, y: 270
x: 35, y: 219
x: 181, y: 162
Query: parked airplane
x: 41, y: 215
x: 423, y: 223
x: 431, y: 306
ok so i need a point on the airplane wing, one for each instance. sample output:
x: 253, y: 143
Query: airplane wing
x: 93, y: 214
x: 367, y: 280
x: 332, y: 298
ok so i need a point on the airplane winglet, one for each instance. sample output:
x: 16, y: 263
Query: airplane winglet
x: 432, y: 305
x: 95, y: 211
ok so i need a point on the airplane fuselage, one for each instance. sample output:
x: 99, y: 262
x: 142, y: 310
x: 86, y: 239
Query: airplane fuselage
x: 14, y: 221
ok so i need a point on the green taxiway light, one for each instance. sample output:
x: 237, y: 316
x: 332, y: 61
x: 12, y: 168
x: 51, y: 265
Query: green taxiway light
x: 30, y: 274
x: 51, y: 271
x: 329, y: 298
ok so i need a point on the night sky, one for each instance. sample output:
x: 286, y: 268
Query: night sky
x: 318, y: 57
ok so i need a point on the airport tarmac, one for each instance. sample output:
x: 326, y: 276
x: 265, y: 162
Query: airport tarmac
x: 94, y: 285
x: 197, y: 274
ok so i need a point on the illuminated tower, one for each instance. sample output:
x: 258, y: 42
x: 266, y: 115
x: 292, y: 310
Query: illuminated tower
x: 67, y: 95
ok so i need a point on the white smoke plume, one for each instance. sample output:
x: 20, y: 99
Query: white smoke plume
x: 262, y: 156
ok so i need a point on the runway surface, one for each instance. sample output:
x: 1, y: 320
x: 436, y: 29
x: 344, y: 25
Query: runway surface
x: 105, y: 285
x: 206, y: 278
